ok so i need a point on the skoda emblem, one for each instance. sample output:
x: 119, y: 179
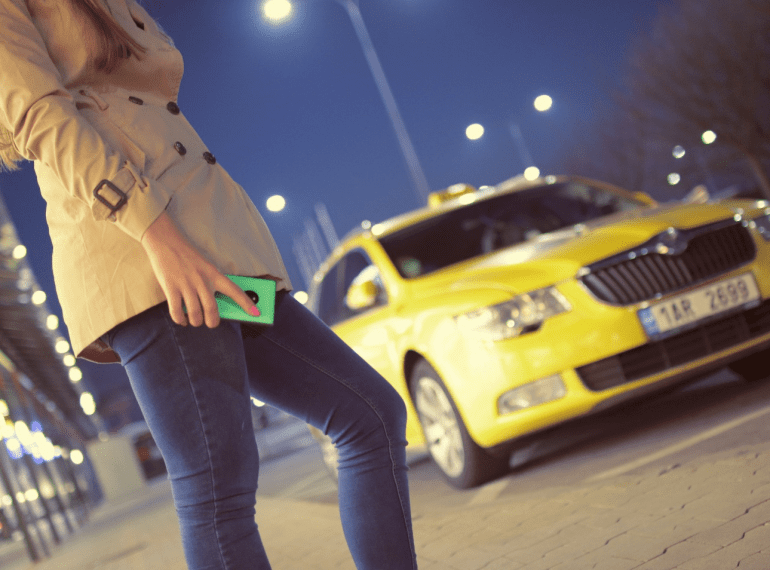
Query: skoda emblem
x: 671, y: 242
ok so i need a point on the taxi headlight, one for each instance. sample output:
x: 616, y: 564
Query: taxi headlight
x: 762, y: 225
x: 523, y: 314
x: 537, y: 392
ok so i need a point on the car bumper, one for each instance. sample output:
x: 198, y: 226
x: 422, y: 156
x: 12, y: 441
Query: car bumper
x: 617, y: 363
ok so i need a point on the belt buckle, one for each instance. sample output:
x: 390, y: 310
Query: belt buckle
x: 123, y: 197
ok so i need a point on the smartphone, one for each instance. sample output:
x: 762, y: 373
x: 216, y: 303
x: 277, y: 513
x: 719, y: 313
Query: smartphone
x: 260, y: 291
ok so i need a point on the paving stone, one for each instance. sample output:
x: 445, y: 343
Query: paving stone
x: 468, y: 558
x: 596, y: 561
x: 635, y: 547
x: 609, y: 497
x: 721, y: 559
x: 677, y: 554
x: 758, y: 561
x: 734, y: 530
x: 501, y: 564
x: 718, y: 506
x: 673, y: 528
x: 659, y: 504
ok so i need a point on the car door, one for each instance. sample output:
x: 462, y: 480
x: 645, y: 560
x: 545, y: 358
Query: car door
x: 368, y: 331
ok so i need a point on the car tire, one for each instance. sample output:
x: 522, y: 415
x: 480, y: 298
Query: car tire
x: 753, y: 367
x: 462, y: 462
x: 328, y: 451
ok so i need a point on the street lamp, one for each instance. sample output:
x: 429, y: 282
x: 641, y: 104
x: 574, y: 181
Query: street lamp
x: 277, y: 7
x: 277, y: 10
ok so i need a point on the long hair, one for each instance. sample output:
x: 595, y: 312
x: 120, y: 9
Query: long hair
x: 108, y: 45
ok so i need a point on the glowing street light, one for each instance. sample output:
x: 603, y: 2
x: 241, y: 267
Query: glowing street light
x: 474, y: 132
x: 543, y: 103
x: 276, y: 203
x: 277, y: 10
x: 708, y: 137
x: 531, y: 173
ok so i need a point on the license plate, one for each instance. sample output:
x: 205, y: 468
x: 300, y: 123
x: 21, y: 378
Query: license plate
x: 699, y: 304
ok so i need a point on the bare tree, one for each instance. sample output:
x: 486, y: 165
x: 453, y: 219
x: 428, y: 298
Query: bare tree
x: 612, y: 149
x: 706, y: 66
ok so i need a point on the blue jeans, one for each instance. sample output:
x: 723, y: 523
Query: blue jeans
x: 193, y: 385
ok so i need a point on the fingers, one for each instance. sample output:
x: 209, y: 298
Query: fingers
x: 237, y: 294
x: 175, y: 309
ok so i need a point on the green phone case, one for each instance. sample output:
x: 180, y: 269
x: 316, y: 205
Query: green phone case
x: 261, y: 291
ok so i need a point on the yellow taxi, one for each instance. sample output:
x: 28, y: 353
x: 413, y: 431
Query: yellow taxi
x: 500, y: 312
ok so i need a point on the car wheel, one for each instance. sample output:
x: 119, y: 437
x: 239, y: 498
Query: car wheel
x: 462, y: 462
x: 752, y: 367
x: 328, y: 451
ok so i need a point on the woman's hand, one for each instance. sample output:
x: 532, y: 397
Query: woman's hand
x: 187, y: 277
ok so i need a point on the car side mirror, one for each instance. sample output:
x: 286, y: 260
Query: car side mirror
x: 362, y: 295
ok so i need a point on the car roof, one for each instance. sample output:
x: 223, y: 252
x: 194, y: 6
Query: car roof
x: 515, y: 184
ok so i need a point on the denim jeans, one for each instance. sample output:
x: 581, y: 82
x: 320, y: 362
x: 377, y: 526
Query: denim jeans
x: 193, y: 385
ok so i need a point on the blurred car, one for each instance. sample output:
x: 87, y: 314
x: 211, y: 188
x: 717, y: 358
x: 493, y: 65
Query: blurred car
x: 500, y: 312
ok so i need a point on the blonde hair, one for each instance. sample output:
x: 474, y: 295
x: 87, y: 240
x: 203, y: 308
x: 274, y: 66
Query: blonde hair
x: 108, y: 45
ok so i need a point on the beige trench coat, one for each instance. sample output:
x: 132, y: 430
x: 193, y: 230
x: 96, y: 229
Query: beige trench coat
x: 124, y: 134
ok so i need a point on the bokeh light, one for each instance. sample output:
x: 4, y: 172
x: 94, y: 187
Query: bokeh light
x: 19, y: 252
x: 532, y: 173
x: 678, y: 151
x: 708, y: 137
x: 301, y: 297
x: 474, y: 132
x: 674, y: 178
x: 87, y: 403
x: 76, y: 456
x: 52, y: 322
x: 543, y: 102
x: 277, y: 11
x: 276, y: 203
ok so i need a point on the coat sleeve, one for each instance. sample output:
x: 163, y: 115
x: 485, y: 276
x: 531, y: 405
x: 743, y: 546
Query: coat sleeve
x: 46, y: 126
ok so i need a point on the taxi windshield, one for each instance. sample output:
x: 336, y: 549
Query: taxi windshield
x: 498, y: 222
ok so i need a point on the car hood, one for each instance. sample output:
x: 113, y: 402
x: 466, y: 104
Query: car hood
x: 555, y: 257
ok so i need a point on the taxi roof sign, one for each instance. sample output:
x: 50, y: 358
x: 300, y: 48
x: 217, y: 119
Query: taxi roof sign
x: 454, y: 191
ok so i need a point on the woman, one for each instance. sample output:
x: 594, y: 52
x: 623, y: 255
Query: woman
x: 144, y: 221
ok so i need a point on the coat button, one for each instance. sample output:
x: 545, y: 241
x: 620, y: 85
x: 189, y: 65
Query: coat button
x: 210, y: 158
x: 180, y: 148
x: 136, y: 100
x: 173, y: 108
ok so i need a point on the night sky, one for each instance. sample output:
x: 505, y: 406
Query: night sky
x: 294, y: 110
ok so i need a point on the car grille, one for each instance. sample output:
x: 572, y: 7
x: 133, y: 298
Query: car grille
x: 644, y: 273
x: 676, y: 350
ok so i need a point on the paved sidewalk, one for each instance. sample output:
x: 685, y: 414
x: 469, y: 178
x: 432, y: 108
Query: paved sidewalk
x: 710, y: 515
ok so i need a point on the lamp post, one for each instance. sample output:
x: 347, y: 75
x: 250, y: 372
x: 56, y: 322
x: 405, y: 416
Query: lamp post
x: 282, y: 10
